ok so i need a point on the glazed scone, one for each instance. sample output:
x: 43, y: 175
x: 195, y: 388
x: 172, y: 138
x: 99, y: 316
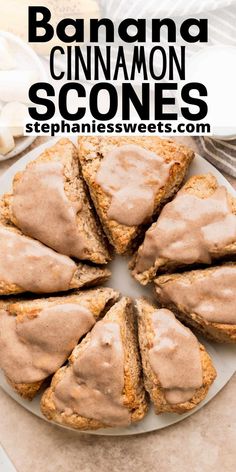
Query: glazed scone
x: 49, y: 202
x: 26, y: 265
x: 178, y: 371
x: 37, y: 336
x: 102, y: 385
x: 130, y: 178
x: 203, y: 299
x: 197, y: 227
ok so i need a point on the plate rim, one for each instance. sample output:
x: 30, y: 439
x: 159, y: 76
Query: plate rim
x: 6, y: 178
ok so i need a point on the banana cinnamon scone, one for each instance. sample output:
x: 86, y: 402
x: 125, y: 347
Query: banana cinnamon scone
x: 129, y: 179
x: 102, y: 385
x: 203, y: 299
x: 49, y: 203
x: 197, y: 227
x: 37, y: 336
x: 178, y: 371
x: 26, y: 265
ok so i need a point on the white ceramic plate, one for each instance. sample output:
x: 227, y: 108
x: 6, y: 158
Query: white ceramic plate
x: 26, y: 58
x: 224, y: 356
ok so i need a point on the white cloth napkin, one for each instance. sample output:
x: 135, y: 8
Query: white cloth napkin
x: 220, y: 153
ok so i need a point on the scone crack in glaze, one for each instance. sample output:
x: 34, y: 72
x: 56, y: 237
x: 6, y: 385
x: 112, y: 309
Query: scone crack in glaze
x: 49, y: 202
x: 203, y: 299
x: 148, y: 172
x: 102, y: 385
x: 177, y: 369
x: 197, y: 226
x: 37, y: 336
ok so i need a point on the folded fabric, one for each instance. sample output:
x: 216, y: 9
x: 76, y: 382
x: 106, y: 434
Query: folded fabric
x: 219, y: 152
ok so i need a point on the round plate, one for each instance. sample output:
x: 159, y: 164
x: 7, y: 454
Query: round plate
x: 224, y: 356
x: 26, y: 58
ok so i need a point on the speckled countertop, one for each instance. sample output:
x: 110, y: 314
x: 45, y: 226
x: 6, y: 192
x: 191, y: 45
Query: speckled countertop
x: 204, y: 442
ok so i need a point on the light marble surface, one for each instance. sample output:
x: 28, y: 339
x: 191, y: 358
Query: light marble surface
x: 204, y: 442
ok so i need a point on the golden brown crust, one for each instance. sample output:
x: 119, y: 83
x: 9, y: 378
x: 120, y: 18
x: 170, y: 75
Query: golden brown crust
x: 26, y: 391
x: 133, y: 395
x: 98, y: 301
x: 66, y: 153
x: 201, y: 186
x: 92, y: 151
x: 217, y: 332
x: 151, y: 381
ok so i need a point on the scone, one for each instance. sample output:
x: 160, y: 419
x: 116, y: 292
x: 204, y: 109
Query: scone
x: 203, y: 299
x: 26, y: 265
x: 102, y: 385
x: 178, y: 371
x: 130, y: 178
x: 49, y: 202
x: 197, y: 227
x: 37, y: 336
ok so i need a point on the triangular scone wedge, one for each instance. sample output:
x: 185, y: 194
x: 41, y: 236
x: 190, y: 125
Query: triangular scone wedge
x: 37, y: 336
x: 168, y: 164
x: 102, y: 385
x: 197, y: 227
x: 50, y: 203
x: 203, y: 299
x: 178, y: 371
x: 26, y: 265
